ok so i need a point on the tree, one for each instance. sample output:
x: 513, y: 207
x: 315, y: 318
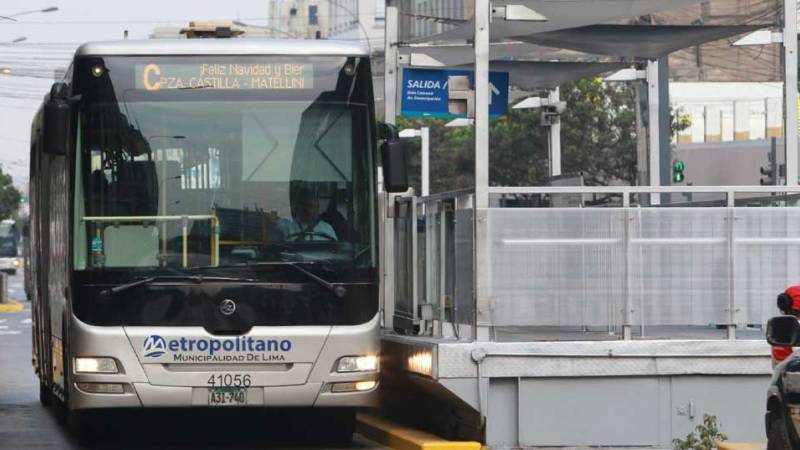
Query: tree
x: 9, y: 196
x: 599, y: 131
x: 598, y: 139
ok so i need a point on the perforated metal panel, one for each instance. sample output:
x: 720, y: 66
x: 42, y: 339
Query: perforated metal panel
x: 464, y: 267
x: 555, y: 266
x: 680, y: 266
x: 403, y: 287
x: 767, y: 252
x: 680, y: 271
x: 586, y: 273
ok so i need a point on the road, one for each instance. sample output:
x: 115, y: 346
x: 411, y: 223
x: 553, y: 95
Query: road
x: 25, y: 424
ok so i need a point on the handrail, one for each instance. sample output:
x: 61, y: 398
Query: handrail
x: 449, y: 195
x: 145, y: 218
x: 184, y: 229
x: 638, y: 189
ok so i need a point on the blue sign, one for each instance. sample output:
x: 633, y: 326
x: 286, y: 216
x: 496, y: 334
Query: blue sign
x: 425, y: 92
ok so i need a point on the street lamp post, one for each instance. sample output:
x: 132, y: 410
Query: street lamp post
x: 11, y: 17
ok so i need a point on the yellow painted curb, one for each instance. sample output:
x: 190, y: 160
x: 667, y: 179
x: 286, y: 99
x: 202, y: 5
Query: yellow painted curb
x: 11, y: 307
x: 741, y: 446
x: 399, y: 437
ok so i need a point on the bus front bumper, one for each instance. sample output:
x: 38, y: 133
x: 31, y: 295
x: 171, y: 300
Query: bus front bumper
x: 305, y: 381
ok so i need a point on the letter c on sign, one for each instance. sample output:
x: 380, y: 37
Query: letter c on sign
x: 146, y: 77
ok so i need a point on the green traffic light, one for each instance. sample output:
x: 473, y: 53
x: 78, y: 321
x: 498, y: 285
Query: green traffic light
x: 677, y: 171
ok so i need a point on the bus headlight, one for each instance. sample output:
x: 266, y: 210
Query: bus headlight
x: 16, y: 262
x: 363, y: 363
x: 95, y: 365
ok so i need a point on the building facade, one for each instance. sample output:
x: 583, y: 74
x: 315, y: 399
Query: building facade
x: 329, y: 19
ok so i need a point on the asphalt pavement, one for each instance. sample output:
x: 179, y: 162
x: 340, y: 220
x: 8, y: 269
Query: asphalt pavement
x: 25, y: 424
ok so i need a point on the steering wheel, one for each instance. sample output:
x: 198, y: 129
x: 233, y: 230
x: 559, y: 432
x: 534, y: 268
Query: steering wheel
x: 311, y: 233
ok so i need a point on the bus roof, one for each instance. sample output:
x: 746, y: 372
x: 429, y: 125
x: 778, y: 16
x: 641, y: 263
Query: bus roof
x: 238, y: 46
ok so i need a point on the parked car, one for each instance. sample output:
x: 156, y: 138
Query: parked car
x: 783, y: 396
x: 10, y: 265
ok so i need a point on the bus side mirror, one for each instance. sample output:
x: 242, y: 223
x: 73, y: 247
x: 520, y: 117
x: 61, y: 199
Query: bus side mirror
x: 56, y: 121
x: 387, y: 131
x: 783, y: 331
x: 394, y: 156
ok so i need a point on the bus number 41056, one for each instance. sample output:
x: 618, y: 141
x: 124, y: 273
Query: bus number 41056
x: 229, y: 380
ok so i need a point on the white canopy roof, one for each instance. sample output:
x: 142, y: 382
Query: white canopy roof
x: 561, y: 15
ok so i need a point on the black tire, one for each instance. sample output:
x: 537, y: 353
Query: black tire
x: 45, y: 395
x: 778, y: 433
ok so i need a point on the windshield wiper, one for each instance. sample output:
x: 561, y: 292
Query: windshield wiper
x: 147, y: 280
x: 337, y: 289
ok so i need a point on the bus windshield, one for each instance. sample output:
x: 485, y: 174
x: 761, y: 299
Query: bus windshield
x: 198, y: 162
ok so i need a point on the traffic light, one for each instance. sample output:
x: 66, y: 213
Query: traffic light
x: 768, y: 171
x: 677, y: 171
x: 767, y: 176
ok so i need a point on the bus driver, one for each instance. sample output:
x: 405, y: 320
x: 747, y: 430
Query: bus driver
x: 305, y: 223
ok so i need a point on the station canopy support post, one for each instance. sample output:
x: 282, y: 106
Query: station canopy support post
x: 424, y: 134
x: 790, y: 88
x: 390, y: 66
x: 555, y: 137
x: 658, y: 126
x: 482, y: 263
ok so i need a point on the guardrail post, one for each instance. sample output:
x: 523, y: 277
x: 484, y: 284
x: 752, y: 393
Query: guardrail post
x: 626, y: 315
x: 731, y: 200
x: 442, y: 264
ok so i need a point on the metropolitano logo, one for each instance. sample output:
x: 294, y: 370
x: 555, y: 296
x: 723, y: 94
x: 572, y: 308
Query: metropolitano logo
x: 154, y: 346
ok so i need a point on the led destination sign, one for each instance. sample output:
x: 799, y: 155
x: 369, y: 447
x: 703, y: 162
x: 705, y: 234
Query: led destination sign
x: 265, y: 76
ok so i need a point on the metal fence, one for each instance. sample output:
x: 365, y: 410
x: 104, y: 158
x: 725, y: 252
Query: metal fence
x: 434, y: 263
x: 625, y: 271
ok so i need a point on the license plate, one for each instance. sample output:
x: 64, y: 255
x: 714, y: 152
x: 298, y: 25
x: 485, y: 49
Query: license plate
x: 227, y: 396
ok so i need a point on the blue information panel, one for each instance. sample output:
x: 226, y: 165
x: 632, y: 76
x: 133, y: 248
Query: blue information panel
x: 425, y: 92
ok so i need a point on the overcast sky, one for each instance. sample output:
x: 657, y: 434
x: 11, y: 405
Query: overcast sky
x: 52, y: 38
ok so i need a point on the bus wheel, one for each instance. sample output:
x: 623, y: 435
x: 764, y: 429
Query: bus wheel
x: 45, y: 394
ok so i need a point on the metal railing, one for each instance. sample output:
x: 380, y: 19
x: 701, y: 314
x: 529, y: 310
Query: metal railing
x: 184, y: 219
x: 623, y: 271
x: 434, y: 263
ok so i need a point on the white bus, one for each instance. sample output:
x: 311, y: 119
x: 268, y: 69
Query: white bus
x: 203, y: 228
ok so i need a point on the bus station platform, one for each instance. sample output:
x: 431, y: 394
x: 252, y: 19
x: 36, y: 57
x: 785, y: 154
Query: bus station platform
x: 623, y: 393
